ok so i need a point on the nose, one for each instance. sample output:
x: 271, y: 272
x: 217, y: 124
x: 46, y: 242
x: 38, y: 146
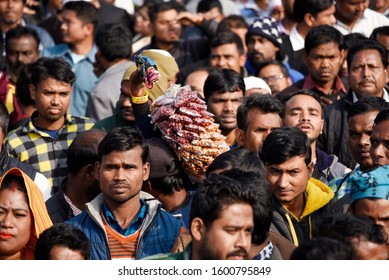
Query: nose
x: 125, y: 101
x: 55, y: 99
x: 377, y: 151
x: 364, y: 140
x: 332, y: 20
x: 243, y: 240
x: 5, y: 221
x: 119, y: 175
x: 304, y: 116
x: 283, y: 181
x: 228, y: 106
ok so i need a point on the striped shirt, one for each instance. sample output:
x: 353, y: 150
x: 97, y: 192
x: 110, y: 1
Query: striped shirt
x: 41, y: 151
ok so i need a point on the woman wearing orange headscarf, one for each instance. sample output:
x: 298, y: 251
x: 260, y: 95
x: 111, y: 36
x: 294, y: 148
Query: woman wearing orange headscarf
x: 23, y: 216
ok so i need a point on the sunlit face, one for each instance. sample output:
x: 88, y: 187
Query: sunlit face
x: 351, y: 10
x: 273, y: 76
x: 224, y: 106
x: 15, y: 223
x: 11, y: 11
x: 304, y: 112
x: 59, y: 252
x: 229, y: 236
x: 360, y: 128
x: 125, y: 102
x: 166, y: 27
x: 379, y: 150
x: 73, y: 30
x: 368, y: 250
x: 323, y: 62
x: 325, y: 17
x: 289, y: 179
x: 227, y: 56
x: 259, y: 126
x: 52, y: 99
x: 142, y: 22
x: 121, y: 175
x: 260, y: 49
x: 367, y: 74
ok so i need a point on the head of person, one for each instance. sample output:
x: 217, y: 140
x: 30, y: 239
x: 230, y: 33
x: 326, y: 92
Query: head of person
x: 22, y: 92
x: 11, y: 12
x: 164, y: 23
x: 23, y: 215
x: 223, y: 93
x: 263, y: 41
x: 122, y: 166
x: 324, y: 248
x: 304, y: 111
x: 256, y: 85
x: 286, y: 153
x: 237, y: 159
x: 236, y: 24
x: 381, y: 35
x: 349, y: 11
x: 114, y: 42
x: 349, y: 41
x: 324, y: 53
x: 222, y: 219
x: 62, y: 242
x: 196, y: 80
x: 367, y: 238
x: 381, y: 5
x: 314, y: 12
x: 142, y: 24
x: 211, y: 10
x: 367, y: 63
x: 360, y: 121
x: 275, y: 74
x: 257, y: 116
x: 78, y: 21
x: 379, y: 139
x: 288, y: 9
x: 227, y: 51
x: 369, y: 196
x: 22, y: 47
x: 4, y: 121
x: 51, y: 87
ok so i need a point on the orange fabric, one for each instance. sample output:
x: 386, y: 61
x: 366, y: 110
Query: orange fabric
x: 38, y: 208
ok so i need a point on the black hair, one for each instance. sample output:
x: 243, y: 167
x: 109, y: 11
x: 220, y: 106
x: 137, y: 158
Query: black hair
x: 283, y: 68
x: 84, y: 150
x: 114, y: 41
x: 167, y: 185
x: 123, y: 139
x: 232, y: 21
x: 63, y: 235
x: 313, y: 7
x: 215, y: 194
x: 12, y: 181
x: 221, y: 81
x: 266, y: 103
x: 382, y: 116
x: 85, y: 11
x: 353, y: 39
x: 22, y: 31
x: 225, y: 38
x: 366, y: 105
x: 287, y: 96
x: 263, y: 208
x: 52, y: 67
x: 163, y: 7
x: 22, y: 91
x: 207, y: 5
x: 382, y: 30
x: 323, y: 34
x: 238, y: 158
x: 4, y: 119
x: 324, y: 248
x: 284, y: 143
x: 368, y: 44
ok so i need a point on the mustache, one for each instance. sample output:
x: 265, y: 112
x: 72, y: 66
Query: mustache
x: 240, y: 252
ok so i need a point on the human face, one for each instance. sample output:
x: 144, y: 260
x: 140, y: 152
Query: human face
x: 142, y: 22
x: 259, y: 126
x: 64, y: 253
x: 73, y: 30
x: 324, y: 62
x: 368, y: 250
x: 52, y: 98
x: 227, y: 56
x: 121, y: 175
x: 376, y: 210
x: 21, y: 51
x: 15, y: 223
x: 224, y: 107
x: 325, y: 17
x: 351, y: 10
x: 125, y: 102
x: 367, y: 75
x: 273, y: 76
x: 381, y: 5
x: 196, y: 81
x: 288, y: 180
x: 379, y: 149
x: 11, y: 11
x: 384, y: 40
x: 166, y: 28
x: 304, y: 112
x: 229, y: 236
x: 360, y: 128
x: 260, y: 49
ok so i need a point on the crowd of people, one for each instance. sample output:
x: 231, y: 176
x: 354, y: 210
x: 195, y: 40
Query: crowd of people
x: 194, y: 130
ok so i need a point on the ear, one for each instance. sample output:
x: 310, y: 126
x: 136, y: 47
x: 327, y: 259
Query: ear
x: 90, y: 172
x: 386, y: 75
x: 289, y: 81
x: 33, y: 91
x: 309, y: 19
x: 239, y: 137
x: 89, y: 28
x: 197, y: 229
x: 310, y: 169
x: 97, y: 170
x: 242, y: 60
x: 146, y: 171
x: 342, y: 55
x: 321, y: 126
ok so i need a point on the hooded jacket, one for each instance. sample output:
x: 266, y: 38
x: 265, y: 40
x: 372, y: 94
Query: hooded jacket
x: 157, y: 235
x: 298, y: 229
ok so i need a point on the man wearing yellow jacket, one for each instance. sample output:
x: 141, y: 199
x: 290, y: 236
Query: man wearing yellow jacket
x: 299, y: 200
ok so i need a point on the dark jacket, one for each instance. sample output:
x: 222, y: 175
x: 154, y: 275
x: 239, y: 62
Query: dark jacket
x: 59, y: 210
x: 328, y: 167
x: 158, y: 232
x: 7, y: 162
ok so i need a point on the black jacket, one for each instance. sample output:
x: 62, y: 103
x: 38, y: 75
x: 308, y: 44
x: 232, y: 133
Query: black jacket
x: 59, y: 210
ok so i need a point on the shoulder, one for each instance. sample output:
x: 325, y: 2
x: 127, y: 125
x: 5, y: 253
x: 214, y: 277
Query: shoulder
x: 55, y: 50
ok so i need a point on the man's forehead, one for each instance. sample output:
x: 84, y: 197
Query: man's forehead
x: 238, y: 93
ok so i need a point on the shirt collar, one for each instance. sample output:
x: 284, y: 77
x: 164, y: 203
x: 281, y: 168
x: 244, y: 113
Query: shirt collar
x: 30, y: 127
x: 385, y: 96
x: 338, y: 86
x: 265, y: 253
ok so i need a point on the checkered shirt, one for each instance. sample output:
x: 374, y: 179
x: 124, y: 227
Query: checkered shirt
x: 45, y: 154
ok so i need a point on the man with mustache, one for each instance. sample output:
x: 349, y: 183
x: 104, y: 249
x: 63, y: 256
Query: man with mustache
x: 367, y: 62
x: 123, y: 222
x: 304, y: 111
x: 43, y: 141
x: 379, y: 150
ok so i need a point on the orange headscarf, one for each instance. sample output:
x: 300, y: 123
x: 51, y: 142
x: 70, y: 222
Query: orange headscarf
x: 41, y: 218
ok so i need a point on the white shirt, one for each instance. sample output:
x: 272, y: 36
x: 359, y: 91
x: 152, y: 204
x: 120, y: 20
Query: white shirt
x: 296, y: 39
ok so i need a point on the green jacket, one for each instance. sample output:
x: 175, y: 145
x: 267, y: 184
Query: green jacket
x: 184, y: 255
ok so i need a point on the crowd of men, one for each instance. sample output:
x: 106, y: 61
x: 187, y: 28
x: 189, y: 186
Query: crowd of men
x: 298, y: 89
